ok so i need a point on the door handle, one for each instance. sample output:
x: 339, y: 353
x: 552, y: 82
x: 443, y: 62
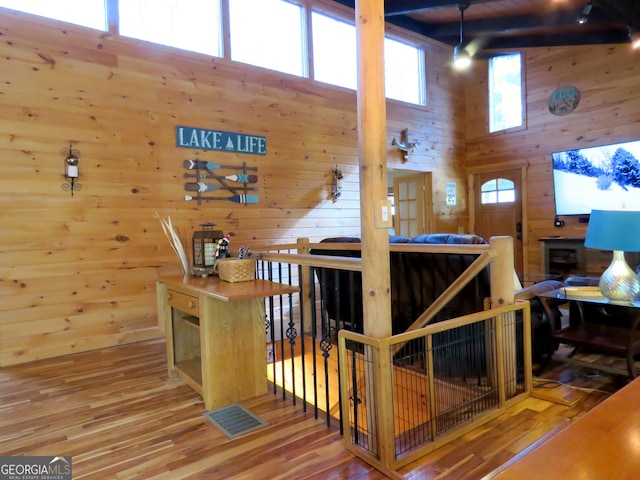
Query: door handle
x: 519, y: 230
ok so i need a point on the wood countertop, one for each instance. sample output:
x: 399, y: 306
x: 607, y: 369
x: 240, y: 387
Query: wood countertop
x: 226, y: 291
x: 601, y: 445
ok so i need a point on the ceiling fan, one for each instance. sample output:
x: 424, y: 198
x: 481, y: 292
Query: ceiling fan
x: 461, y: 58
x: 463, y: 54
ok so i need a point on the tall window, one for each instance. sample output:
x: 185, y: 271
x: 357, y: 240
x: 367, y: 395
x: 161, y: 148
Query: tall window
x: 268, y: 33
x: 404, y: 72
x: 188, y: 24
x: 88, y: 13
x: 335, y: 59
x: 506, y: 109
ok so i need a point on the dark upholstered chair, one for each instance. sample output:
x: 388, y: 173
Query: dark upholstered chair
x: 545, y: 318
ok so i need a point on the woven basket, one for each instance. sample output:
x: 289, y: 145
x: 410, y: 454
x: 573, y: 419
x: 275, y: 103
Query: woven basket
x: 236, y: 270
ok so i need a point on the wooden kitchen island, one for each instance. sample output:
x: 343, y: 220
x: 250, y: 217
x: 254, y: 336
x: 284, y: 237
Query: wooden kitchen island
x: 215, y: 332
x: 603, y: 444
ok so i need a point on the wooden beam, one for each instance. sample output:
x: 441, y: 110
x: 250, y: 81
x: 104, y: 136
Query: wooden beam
x: 376, y: 288
x: 405, y: 7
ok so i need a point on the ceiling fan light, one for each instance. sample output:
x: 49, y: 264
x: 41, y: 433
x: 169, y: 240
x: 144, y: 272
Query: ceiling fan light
x: 461, y: 58
x: 584, y: 14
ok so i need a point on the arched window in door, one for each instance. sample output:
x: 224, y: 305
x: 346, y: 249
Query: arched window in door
x: 498, y: 190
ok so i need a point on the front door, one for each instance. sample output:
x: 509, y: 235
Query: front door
x: 498, y: 208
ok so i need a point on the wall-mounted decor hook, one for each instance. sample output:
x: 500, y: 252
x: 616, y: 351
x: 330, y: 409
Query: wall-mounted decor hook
x: 404, y: 144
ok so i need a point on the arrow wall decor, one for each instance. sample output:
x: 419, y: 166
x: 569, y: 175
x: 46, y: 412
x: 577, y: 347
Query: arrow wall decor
x: 211, y: 177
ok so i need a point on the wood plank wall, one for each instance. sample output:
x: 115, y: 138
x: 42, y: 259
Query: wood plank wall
x: 607, y: 78
x: 79, y: 273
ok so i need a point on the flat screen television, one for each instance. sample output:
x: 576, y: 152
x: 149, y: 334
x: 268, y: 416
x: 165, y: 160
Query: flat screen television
x: 602, y: 178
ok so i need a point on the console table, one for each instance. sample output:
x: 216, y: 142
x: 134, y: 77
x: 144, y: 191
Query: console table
x: 215, y: 331
x: 621, y: 339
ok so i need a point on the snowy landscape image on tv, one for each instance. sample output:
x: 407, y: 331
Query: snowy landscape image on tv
x: 600, y: 178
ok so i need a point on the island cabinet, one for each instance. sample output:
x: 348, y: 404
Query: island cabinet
x: 215, y: 332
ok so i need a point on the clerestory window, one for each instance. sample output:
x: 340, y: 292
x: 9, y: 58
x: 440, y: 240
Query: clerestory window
x: 269, y: 34
x: 192, y: 25
x: 266, y: 33
x: 88, y: 13
x: 506, y: 92
x: 335, y: 60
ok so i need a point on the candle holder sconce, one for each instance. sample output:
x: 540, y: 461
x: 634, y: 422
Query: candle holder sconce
x: 336, y: 183
x: 71, y: 171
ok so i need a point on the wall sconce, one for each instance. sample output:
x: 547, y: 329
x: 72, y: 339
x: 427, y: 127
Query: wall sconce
x: 634, y: 37
x: 71, y: 171
x: 404, y: 144
x: 336, y: 183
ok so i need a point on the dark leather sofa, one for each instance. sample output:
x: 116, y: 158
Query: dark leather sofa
x: 417, y: 279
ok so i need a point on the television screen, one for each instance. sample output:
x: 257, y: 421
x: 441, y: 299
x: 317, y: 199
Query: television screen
x: 602, y: 178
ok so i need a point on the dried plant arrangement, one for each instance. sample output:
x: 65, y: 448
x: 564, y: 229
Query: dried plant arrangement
x: 245, y: 253
x: 176, y: 243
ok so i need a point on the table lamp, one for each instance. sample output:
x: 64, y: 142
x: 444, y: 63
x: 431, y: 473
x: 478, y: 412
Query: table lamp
x: 618, y: 231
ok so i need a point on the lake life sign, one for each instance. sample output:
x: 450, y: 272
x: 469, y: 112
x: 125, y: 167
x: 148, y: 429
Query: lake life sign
x: 206, y: 139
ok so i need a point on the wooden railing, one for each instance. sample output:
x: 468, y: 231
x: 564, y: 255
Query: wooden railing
x: 375, y: 372
x: 450, y: 377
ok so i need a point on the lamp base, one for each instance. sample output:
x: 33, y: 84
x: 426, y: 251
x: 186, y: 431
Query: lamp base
x: 619, y: 283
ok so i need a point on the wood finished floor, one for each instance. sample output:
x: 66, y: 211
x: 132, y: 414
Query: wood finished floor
x: 119, y: 415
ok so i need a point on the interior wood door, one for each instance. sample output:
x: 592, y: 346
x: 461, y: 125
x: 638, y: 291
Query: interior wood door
x: 498, y: 209
x: 413, y: 204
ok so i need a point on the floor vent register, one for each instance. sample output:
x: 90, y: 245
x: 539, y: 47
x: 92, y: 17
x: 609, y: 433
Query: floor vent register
x: 235, y: 420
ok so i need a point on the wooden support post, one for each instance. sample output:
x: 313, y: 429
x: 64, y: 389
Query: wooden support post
x: 305, y: 285
x: 376, y: 288
x: 502, y: 268
x: 502, y: 293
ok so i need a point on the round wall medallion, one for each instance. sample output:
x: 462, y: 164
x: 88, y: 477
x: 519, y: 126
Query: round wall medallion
x: 564, y: 100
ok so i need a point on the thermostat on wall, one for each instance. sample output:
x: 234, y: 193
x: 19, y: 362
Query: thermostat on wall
x: 450, y: 192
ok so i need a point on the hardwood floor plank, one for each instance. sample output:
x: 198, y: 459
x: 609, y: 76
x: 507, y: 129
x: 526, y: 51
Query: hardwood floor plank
x: 120, y: 416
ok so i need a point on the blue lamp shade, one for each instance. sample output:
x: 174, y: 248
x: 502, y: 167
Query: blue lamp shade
x: 614, y: 230
x: 618, y: 231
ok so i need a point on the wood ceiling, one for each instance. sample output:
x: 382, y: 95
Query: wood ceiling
x: 506, y: 24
